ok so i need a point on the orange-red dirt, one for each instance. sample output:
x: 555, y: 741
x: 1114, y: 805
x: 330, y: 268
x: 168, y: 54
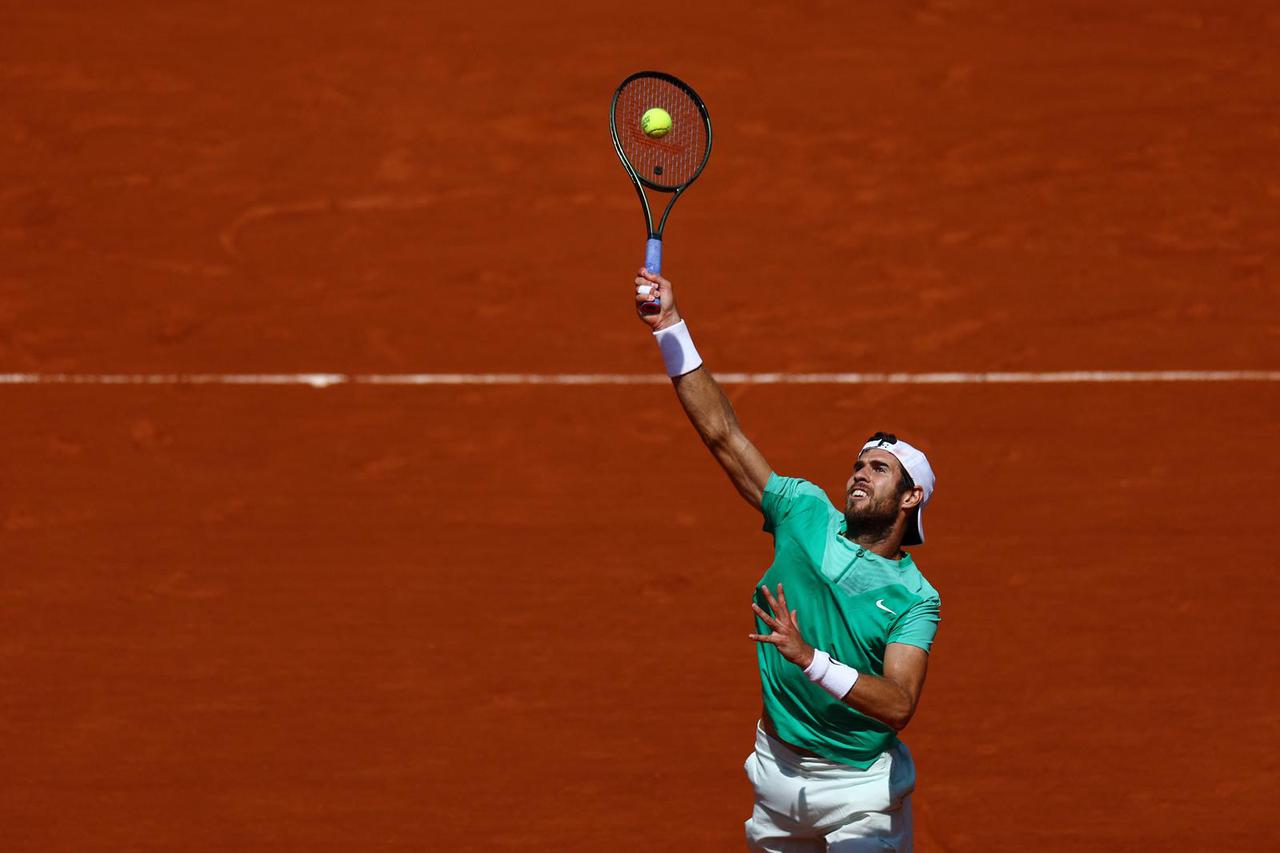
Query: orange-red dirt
x: 479, y: 618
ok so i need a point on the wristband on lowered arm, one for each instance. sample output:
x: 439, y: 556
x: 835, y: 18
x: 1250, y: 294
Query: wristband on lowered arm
x: 678, y: 352
x: 831, y: 675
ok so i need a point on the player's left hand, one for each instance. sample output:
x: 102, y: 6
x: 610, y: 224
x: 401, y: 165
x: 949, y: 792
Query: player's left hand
x: 786, y: 630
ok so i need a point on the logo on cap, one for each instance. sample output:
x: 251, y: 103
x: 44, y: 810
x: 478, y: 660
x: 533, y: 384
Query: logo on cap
x: 883, y: 439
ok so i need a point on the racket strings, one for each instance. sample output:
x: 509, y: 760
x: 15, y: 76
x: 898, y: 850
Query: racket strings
x: 670, y: 161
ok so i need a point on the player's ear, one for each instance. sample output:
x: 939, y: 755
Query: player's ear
x: 911, y: 498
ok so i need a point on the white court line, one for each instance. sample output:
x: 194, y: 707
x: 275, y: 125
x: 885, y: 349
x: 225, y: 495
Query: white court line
x: 325, y: 380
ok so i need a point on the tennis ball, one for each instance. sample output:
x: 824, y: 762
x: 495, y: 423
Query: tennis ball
x: 656, y: 121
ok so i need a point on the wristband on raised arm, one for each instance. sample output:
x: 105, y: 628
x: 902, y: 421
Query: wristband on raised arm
x: 678, y: 352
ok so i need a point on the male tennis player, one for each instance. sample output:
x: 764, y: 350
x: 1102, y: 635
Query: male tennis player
x: 844, y: 622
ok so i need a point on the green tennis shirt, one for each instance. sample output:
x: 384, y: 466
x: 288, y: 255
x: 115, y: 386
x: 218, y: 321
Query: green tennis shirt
x: 851, y: 602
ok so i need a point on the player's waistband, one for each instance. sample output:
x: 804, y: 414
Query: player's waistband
x: 787, y: 755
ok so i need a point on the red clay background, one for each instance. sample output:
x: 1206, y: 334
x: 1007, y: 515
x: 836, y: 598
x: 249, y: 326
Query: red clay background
x: 514, y: 618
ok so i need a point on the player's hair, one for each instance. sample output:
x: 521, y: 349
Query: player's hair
x: 905, y: 483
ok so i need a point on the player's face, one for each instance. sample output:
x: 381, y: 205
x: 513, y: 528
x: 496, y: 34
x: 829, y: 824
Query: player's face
x: 872, y: 491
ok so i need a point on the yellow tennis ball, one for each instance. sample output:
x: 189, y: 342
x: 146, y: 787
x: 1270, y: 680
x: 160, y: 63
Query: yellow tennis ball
x: 656, y: 122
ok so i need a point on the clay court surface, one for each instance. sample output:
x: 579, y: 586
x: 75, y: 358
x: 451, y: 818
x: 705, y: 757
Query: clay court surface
x: 514, y: 618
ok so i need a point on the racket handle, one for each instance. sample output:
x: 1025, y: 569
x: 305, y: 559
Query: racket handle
x: 653, y: 256
x: 653, y: 263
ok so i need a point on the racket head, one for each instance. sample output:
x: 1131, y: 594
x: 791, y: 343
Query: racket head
x: 664, y: 163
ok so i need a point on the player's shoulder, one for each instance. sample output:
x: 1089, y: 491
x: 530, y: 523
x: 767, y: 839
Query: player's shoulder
x: 919, y: 586
x: 795, y: 502
x: 794, y: 489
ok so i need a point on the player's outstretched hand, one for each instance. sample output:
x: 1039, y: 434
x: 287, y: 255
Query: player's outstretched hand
x: 786, y: 630
x: 649, y: 285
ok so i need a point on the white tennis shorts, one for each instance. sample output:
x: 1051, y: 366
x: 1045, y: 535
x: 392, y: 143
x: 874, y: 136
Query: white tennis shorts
x: 810, y: 805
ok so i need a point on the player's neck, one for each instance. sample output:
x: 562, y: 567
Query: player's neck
x: 881, y: 544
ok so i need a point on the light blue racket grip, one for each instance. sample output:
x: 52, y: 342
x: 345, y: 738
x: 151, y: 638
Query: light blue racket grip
x: 653, y: 256
x: 653, y: 263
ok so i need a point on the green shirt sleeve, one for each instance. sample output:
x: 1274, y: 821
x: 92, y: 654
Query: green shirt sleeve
x: 918, y: 625
x: 789, y: 500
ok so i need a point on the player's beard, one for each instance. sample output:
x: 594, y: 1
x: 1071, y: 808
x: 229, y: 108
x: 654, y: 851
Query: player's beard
x: 871, y: 520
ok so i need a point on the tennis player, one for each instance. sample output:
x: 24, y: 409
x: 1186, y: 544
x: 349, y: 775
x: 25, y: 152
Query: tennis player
x: 844, y: 622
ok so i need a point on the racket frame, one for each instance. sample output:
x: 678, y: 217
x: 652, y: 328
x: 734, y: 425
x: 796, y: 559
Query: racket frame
x: 653, y: 247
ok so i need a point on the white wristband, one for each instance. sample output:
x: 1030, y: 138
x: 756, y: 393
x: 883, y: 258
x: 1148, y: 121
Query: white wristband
x: 831, y: 675
x: 678, y: 351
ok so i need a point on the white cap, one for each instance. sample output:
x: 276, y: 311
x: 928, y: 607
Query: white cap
x: 917, y: 465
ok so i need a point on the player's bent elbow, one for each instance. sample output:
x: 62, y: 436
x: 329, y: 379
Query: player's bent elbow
x: 898, y: 716
x: 898, y: 722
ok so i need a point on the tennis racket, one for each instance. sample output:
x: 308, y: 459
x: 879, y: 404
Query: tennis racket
x: 664, y: 164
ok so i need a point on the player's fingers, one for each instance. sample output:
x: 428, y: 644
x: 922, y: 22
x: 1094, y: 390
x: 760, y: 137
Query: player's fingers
x: 768, y: 620
x: 646, y: 294
x: 655, y: 279
x: 782, y: 599
x: 644, y: 290
x: 763, y: 638
x: 768, y: 596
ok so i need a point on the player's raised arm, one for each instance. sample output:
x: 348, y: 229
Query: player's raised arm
x: 704, y: 402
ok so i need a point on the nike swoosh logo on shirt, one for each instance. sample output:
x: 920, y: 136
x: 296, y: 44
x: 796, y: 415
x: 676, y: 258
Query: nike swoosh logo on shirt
x: 880, y: 604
